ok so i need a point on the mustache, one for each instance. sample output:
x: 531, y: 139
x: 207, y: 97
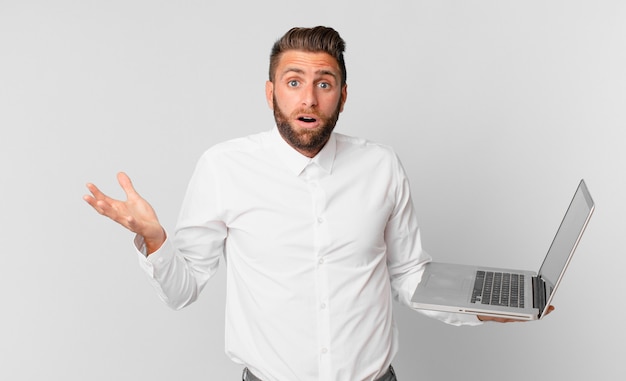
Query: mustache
x: 308, y: 111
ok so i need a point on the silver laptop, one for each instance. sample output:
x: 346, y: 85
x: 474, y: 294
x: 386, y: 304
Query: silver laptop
x: 517, y: 294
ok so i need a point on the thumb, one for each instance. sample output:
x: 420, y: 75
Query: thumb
x: 126, y: 184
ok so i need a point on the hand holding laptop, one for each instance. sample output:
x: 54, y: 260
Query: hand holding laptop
x: 507, y: 320
x: 506, y: 295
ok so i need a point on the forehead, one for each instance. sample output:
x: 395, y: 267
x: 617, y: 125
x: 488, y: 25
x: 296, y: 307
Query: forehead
x: 307, y: 62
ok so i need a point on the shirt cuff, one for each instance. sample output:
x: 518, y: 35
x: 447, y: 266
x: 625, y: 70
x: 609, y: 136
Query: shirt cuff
x: 158, y: 258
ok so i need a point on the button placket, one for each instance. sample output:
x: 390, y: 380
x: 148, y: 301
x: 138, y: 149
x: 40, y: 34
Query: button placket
x: 321, y: 238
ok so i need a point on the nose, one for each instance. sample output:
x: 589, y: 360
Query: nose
x: 309, y: 96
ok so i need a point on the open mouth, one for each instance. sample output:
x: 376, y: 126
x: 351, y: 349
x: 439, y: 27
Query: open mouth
x: 307, y: 119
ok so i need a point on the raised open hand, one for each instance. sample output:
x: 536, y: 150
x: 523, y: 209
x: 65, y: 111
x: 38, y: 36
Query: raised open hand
x: 135, y: 214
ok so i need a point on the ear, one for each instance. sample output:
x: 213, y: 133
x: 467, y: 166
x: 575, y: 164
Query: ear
x: 344, y: 96
x: 269, y: 94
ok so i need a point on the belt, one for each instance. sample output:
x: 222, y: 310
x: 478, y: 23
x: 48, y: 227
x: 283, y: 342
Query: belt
x: 389, y: 376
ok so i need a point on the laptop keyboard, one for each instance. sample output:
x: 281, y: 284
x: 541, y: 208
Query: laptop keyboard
x: 498, y: 289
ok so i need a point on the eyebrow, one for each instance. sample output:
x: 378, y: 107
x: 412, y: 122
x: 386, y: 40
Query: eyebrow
x: 318, y: 72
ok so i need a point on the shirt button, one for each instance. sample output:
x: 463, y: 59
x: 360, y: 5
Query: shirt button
x: 324, y: 350
x: 323, y: 305
x: 320, y: 220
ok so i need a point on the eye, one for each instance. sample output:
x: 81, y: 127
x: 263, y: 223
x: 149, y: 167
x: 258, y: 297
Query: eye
x: 293, y: 83
x: 324, y: 85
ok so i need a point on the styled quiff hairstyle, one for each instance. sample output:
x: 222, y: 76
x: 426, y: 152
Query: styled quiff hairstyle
x: 315, y: 40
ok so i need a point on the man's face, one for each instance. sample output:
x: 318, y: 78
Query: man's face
x: 307, y: 96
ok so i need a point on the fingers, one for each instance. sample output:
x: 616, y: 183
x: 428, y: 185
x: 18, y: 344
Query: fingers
x: 95, y: 191
x: 102, y: 203
x: 91, y: 201
x: 507, y: 320
x: 96, y: 195
x: 498, y: 319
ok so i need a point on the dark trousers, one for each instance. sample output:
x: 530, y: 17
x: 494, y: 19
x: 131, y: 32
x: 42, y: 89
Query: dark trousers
x: 389, y: 376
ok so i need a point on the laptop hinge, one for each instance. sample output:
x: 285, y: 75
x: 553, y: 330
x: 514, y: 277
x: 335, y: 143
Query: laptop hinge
x: 539, y: 293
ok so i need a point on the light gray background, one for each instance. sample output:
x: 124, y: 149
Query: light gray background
x: 497, y: 109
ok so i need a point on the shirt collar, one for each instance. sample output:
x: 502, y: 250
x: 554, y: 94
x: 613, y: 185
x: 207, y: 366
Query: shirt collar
x: 297, y: 162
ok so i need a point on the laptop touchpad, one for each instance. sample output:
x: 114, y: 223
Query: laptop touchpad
x: 446, y: 284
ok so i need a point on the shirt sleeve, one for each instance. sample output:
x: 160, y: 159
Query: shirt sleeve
x: 182, y: 266
x: 406, y: 257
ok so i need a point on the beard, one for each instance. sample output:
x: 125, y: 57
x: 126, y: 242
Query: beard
x: 309, y: 141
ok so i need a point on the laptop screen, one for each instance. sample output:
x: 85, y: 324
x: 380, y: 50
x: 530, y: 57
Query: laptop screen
x: 566, y: 238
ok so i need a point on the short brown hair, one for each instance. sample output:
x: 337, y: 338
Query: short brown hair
x: 317, y: 39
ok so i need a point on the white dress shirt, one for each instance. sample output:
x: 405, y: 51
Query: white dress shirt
x: 315, y: 250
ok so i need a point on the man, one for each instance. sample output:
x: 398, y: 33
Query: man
x: 318, y: 230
